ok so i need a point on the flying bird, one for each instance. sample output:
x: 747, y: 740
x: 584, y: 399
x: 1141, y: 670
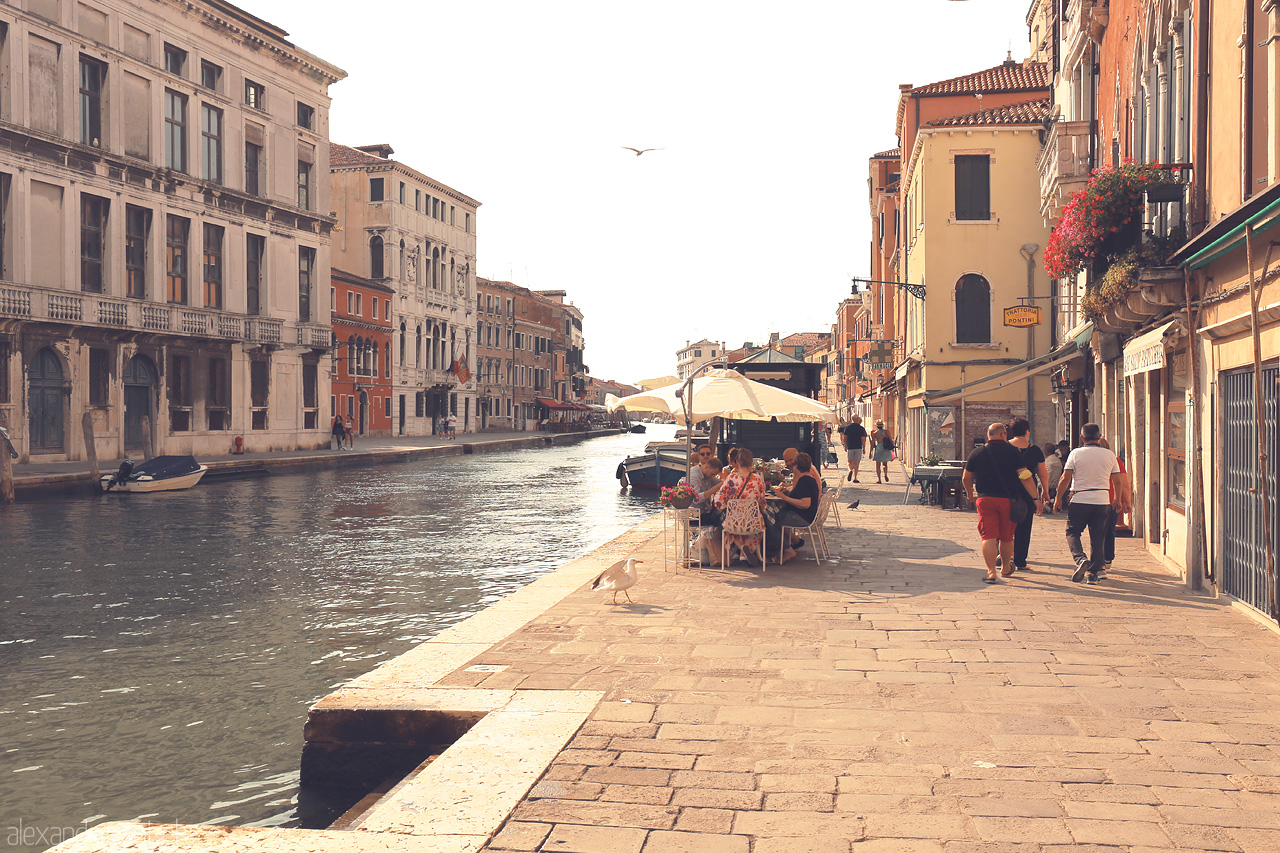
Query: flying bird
x: 639, y: 151
x: 619, y: 577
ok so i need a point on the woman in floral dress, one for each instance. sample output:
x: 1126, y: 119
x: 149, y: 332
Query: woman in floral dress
x: 743, y: 483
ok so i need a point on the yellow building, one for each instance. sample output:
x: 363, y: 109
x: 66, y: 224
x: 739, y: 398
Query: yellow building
x: 972, y: 241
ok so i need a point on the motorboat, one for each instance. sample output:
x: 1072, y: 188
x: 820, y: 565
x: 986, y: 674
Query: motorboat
x: 654, y: 469
x: 159, y: 474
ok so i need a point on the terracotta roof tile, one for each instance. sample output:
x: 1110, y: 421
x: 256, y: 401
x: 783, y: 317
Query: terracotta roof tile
x: 1028, y: 112
x: 341, y: 155
x: 891, y: 154
x: 1008, y: 76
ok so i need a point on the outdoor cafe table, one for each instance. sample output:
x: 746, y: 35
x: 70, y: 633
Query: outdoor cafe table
x: 938, y: 482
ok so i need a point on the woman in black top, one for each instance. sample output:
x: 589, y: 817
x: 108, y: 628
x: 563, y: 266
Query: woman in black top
x: 339, y: 431
x: 1034, y: 461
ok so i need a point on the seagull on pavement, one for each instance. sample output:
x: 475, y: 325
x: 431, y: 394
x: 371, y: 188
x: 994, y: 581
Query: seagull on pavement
x: 639, y: 151
x: 619, y: 577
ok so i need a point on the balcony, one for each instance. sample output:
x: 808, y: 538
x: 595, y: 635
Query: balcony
x: 1063, y: 165
x: 26, y: 302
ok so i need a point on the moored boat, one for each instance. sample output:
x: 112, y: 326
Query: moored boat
x: 160, y: 474
x: 663, y: 467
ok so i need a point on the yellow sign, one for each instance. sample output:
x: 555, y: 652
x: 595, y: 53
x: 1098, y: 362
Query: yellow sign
x: 1022, y: 316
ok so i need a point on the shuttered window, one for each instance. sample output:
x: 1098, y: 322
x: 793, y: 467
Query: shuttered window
x: 973, y: 310
x: 973, y: 187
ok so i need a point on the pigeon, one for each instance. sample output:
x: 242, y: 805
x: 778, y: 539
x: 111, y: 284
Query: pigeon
x: 854, y: 505
x: 639, y: 151
x: 619, y: 577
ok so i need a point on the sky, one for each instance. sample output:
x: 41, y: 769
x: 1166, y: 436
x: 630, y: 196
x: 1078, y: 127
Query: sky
x: 752, y: 215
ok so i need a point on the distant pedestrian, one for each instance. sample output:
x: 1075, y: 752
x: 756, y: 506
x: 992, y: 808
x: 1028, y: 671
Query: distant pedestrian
x: 819, y: 446
x: 452, y: 422
x: 339, y: 432
x: 1033, y: 460
x: 1092, y: 475
x: 882, y: 448
x: 1053, y: 465
x: 992, y: 475
x: 854, y: 436
x: 351, y: 433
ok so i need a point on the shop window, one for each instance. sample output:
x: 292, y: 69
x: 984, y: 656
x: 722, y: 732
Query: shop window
x: 1176, y: 432
x: 99, y: 377
x: 218, y: 399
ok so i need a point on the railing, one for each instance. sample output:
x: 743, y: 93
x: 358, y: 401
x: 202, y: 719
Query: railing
x: 1063, y: 165
x: 37, y: 303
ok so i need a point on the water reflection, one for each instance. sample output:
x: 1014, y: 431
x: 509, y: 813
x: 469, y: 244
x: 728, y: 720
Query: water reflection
x: 158, y: 652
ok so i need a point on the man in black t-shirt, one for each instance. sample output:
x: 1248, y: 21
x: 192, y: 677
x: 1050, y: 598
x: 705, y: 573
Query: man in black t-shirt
x: 854, y: 437
x: 996, y: 472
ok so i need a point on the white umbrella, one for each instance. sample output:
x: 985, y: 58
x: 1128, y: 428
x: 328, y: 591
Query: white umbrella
x: 727, y: 394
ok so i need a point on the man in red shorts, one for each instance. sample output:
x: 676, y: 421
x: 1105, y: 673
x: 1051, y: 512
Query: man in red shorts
x: 995, y: 472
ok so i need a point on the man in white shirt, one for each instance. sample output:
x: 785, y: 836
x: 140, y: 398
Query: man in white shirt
x: 1089, y: 474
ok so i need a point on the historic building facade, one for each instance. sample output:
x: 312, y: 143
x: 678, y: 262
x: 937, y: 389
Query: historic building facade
x: 692, y: 356
x: 361, y: 378
x: 164, y: 230
x: 516, y: 365
x: 417, y: 236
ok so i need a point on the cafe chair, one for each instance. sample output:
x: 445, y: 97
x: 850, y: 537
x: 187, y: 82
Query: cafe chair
x: 817, y: 535
x: 835, y: 504
x: 742, y: 517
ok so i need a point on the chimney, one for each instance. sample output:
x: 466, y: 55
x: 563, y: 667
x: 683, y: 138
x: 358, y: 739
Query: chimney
x: 382, y: 150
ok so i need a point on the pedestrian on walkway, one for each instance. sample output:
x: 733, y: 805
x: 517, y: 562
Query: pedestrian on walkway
x: 351, y: 433
x: 882, y: 448
x: 452, y: 422
x: 993, y: 474
x: 1109, y: 533
x: 854, y: 436
x: 1091, y: 475
x: 1053, y: 464
x: 339, y: 432
x: 1033, y: 460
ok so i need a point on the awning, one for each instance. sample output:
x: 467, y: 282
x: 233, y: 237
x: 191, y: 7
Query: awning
x: 996, y: 381
x: 1147, y: 351
x: 552, y: 404
x: 1085, y: 335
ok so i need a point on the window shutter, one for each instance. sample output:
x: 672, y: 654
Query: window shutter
x: 973, y: 187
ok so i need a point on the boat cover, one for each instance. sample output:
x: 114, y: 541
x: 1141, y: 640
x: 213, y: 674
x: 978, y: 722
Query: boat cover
x: 166, y: 467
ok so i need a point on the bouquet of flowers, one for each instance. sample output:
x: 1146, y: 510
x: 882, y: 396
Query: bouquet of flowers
x: 680, y: 496
x: 774, y: 472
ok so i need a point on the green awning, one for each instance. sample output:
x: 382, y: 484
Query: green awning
x: 1086, y: 335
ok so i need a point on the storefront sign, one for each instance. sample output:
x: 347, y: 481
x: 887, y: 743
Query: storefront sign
x: 1021, y: 316
x: 1146, y: 352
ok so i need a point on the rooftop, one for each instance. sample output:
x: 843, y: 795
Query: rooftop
x: 1028, y: 112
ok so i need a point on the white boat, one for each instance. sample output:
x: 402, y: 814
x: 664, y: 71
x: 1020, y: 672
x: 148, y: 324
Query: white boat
x: 161, y: 474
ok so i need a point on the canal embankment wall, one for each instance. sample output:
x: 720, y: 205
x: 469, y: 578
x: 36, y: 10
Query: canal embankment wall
x: 69, y: 478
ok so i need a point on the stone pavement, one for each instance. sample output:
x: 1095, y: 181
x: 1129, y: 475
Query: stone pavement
x: 892, y: 701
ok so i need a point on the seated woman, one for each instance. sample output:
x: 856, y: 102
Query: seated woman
x: 744, y: 484
x: 801, y: 503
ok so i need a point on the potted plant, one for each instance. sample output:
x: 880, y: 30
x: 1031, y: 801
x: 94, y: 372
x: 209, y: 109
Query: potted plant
x: 680, y: 496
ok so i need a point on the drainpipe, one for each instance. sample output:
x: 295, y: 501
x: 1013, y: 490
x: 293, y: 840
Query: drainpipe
x: 1246, y: 120
x: 1199, y: 158
x: 1028, y: 252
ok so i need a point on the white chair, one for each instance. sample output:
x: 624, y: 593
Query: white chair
x: 742, y: 517
x: 817, y: 535
x: 835, y: 504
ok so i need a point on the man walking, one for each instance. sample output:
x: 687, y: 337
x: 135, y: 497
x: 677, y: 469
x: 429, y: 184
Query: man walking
x: 1033, y: 460
x: 854, y: 437
x: 995, y: 471
x: 1090, y: 474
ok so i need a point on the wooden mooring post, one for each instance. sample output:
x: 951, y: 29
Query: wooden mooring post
x: 6, y: 474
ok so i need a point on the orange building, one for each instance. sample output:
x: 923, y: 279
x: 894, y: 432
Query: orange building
x: 361, y: 377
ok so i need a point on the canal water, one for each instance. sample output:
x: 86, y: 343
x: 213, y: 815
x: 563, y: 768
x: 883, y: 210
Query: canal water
x: 158, y: 653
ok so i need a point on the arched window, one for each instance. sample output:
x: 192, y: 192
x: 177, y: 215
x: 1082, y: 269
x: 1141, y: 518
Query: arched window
x: 377, y: 259
x: 417, y: 350
x: 386, y: 361
x: 973, y: 310
x: 351, y: 356
x: 403, y: 270
x: 404, y: 336
x: 435, y: 268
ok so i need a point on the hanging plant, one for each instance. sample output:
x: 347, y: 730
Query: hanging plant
x: 1101, y: 221
x: 1120, y: 278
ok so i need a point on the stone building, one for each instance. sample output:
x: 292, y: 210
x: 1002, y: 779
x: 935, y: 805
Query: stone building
x: 417, y: 236
x: 138, y: 137
x: 569, y: 348
x: 693, y: 355
x: 515, y: 367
